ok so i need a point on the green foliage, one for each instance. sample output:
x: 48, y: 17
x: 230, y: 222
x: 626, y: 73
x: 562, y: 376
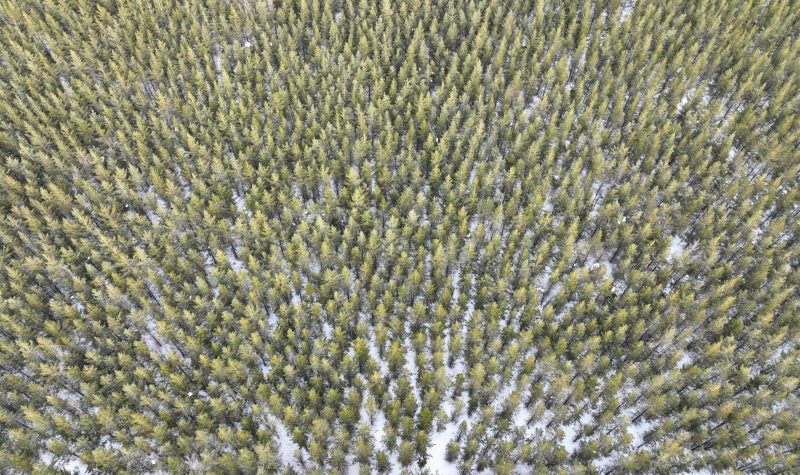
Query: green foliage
x: 304, y: 236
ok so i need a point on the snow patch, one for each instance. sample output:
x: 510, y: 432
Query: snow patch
x: 286, y: 446
x: 639, y: 431
x: 241, y: 205
x: 218, y: 62
x: 236, y: 263
x: 437, y: 463
x: 605, y: 265
x: 627, y: 9
x: 677, y: 247
x: 685, y: 361
x: 685, y: 98
x: 65, y: 85
x: 530, y: 106
x: 71, y: 465
x: 568, y: 441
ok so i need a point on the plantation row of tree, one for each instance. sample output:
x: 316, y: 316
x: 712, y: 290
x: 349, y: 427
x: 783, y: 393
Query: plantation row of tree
x: 308, y: 236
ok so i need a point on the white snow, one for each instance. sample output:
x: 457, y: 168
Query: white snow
x: 154, y: 218
x: 286, y: 446
x: 70, y: 396
x: 469, y: 310
x: 218, y: 62
x: 76, y: 466
x: 677, y: 246
x: 685, y: 98
x: 241, y: 205
x: 627, y: 9
x: 570, y: 431
x: 436, y: 453
x: 606, y: 265
x: 71, y: 465
x: 640, y: 430
x: 65, y: 84
x: 236, y: 263
x: 603, y: 463
x: 685, y: 360
x: 531, y: 105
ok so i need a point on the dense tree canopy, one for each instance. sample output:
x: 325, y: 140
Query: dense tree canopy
x: 318, y: 236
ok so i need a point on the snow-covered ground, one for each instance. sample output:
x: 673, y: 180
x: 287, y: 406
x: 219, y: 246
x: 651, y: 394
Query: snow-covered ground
x: 437, y: 463
x: 676, y: 248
